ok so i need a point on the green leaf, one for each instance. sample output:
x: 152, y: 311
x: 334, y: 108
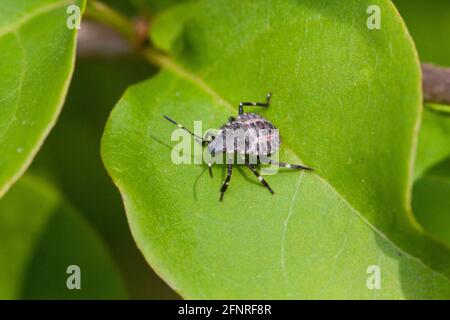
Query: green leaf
x: 168, y: 24
x: 40, y: 236
x: 434, y: 141
x: 431, y: 200
x: 346, y: 101
x: 37, y: 53
x: 126, y: 7
x: 429, y: 25
x: 155, y: 6
x: 96, y: 87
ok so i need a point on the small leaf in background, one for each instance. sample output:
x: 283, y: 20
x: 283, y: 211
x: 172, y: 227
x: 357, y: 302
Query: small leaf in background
x: 434, y: 141
x: 40, y: 236
x: 431, y: 200
x: 126, y: 7
x: 346, y: 101
x: 37, y: 52
x: 429, y: 24
x: 155, y: 6
x: 168, y: 24
x: 71, y: 159
x: 146, y: 8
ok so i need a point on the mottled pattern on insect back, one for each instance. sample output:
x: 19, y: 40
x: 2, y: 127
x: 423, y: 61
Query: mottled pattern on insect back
x: 249, y: 138
x: 248, y: 134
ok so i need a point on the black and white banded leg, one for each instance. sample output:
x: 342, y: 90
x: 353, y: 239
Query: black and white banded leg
x: 198, y: 138
x: 260, y: 178
x: 209, y: 136
x: 226, y: 182
x: 286, y: 165
x: 210, y: 163
x: 259, y: 104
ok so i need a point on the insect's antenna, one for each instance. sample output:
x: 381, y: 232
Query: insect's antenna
x: 185, y: 129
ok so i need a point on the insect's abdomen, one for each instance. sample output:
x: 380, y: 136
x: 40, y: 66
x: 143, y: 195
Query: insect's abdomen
x: 249, y: 134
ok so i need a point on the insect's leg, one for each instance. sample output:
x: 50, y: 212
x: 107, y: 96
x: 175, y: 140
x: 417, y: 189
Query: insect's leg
x: 259, y: 104
x: 209, y: 137
x: 287, y: 165
x: 210, y: 163
x: 256, y: 173
x: 198, y: 138
x: 226, y: 182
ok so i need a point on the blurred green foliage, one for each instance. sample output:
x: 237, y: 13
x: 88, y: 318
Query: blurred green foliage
x: 429, y: 24
x: 71, y: 159
x: 40, y: 236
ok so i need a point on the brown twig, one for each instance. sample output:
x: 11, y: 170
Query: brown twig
x: 436, y: 84
x: 98, y: 40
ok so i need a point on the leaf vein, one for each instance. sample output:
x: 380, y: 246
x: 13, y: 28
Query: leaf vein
x: 19, y: 86
x: 33, y: 14
x: 284, y: 230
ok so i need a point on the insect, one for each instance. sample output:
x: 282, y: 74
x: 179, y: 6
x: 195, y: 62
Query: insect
x: 260, y: 140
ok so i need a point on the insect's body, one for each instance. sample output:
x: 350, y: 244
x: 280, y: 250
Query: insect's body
x: 250, y: 135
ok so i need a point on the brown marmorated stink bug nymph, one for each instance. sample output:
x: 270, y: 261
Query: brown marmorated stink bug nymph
x: 249, y: 137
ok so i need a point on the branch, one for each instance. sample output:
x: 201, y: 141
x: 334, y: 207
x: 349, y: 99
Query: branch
x: 133, y: 30
x: 99, y: 41
x: 436, y: 84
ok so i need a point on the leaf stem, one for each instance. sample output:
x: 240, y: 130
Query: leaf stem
x: 101, y: 12
x: 161, y: 60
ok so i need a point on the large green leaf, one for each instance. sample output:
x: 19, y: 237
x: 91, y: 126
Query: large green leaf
x: 346, y: 100
x: 40, y: 236
x: 95, y: 88
x: 36, y: 61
